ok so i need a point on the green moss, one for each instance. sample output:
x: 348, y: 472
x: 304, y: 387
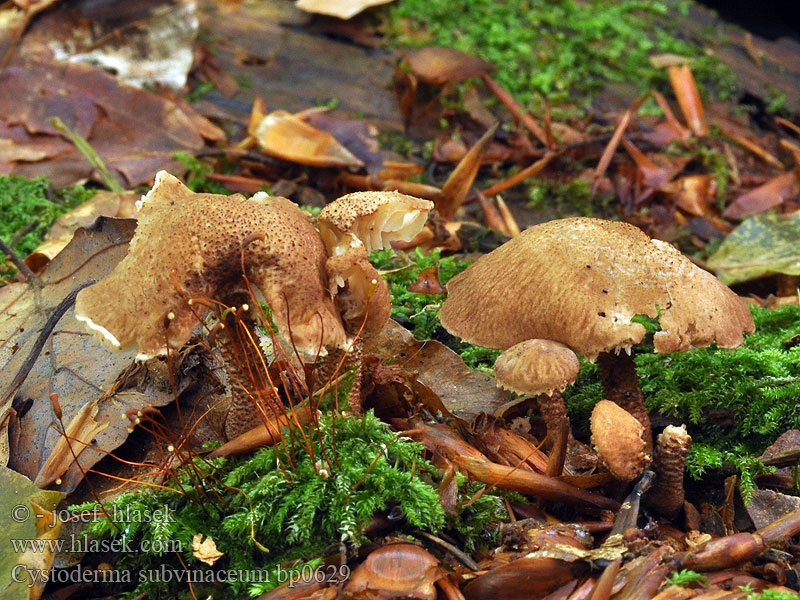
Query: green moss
x: 715, y: 163
x: 299, y: 515
x: 28, y: 208
x: 568, y: 199
x: 400, y: 270
x: 558, y: 49
x: 734, y: 402
x: 686, y: 577
x: 774, y: 595
x: 196, y: 178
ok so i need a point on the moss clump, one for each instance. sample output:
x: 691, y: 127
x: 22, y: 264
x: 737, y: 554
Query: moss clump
x: 568, y: 199
x: 296, y: 512
x: 686, y: 577
x: 29, y: 207
x: 734, y: 402
x: 400, y: 271
x: 557, y: 49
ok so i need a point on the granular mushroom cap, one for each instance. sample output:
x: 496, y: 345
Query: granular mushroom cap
x: 580, y: 281
x: 376, y: 218
x: 617, y: 436
x: 199, y: 237
x: 536, y: 367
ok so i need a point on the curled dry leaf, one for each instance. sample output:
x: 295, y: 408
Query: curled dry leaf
x: 464, y: 392
x: 287, y: 136
x: 103, y: 203
x: 73, y: 364
x: 766, y: 196
x: 205, y: 550
x: 685, y: 88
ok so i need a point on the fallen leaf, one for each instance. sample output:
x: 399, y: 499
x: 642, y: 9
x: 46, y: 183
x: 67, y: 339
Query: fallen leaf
x: 766, y: 196
x: 767, y: 506
x: 136, y: 132
x: 760, y: 246
x: 26, y: 513
x: 685, y: 88
x: 438, y: 65
x: 694, y: 193
x: 287, y: 136
x: 103, y: 203
x: 428, y: 282
x: 455, y: 189
x: 464, y: 392
x: 207, y: 550
x: 74, y: 364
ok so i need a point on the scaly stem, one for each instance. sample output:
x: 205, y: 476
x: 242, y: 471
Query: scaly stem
x: 621, y: 386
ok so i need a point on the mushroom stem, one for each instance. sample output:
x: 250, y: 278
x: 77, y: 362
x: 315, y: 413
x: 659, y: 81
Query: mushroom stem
x: 554, y: 413
x: 667, y: 493
x: 621, y: 386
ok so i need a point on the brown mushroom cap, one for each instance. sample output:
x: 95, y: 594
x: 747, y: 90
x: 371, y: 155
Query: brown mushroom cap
x: 617, y: 435
x: 580, y: 281
x: 358, y: 290
x: 199, y: 237
x: 376, y: 218
x: 536, y: 367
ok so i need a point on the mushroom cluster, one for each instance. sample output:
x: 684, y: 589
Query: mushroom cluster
x: 319, y: 285
x: 580, y: 282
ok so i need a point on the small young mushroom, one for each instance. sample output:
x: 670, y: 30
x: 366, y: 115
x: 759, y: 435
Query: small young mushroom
x: 375, y: 218
x: 540, y: 368
x: 672, y: 448
x: 190, y: 245
x: 351, y: 227
x: 619, y: 440
x: 580, y: 281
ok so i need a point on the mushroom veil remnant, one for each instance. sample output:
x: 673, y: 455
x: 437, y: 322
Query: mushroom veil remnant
x: 190, y: 245
x: 580, y: 281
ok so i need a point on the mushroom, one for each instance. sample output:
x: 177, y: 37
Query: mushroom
x: 190, y: 245
x: 619, y: 440
x: 375, y: 218
x: 351, y: 227
x: 540, y: 368
x: 672, y: 448
x: 580, y: 281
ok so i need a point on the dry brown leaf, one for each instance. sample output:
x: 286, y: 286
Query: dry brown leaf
x: 694, y: 193
x: 73, y: 364
x: 136, y: 132
x: 766, y: 196
x: 455, y: 189
x: 205, y: 551
x: 685, y: 88
x: 82, y: 429
x: 287, y: 136
x: 438, y: 65
x: 103, y: 203
x: 463, y: 391
x: 427, y: 282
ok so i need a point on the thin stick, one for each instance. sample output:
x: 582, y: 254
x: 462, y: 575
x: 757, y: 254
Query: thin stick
x: 90, y: 154
x: 18, y: 262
